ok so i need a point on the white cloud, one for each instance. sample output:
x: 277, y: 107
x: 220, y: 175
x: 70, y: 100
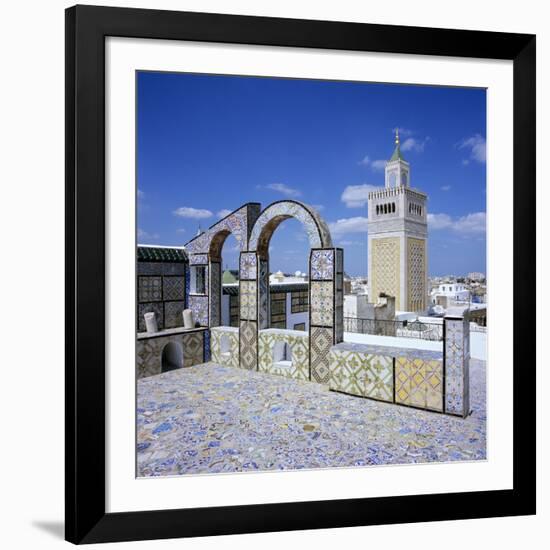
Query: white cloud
x: 413, y: 144
x: 470, y: 224
x: 343, y: 226
x: 223, y: 212
x: 439, y: 221
x: 477, y: 147
x: 284, y: 189
x: 378, y: 165
x: 318, y: 207
x: 140, y: 194
x: 180, y: 230
x: 365, y: 161
x: 145, y: 236
x: 356, y: 196
x: 194, y: 213
x: 445, y: 188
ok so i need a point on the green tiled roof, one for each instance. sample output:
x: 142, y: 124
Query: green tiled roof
x: 160, y: 254
x: 229, y: 277
x: 396, y: 154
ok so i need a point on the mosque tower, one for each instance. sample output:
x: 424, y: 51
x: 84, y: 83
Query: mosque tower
x: 398, y: 235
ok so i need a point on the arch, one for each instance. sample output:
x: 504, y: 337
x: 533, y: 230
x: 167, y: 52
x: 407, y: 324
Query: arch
x: 205, y: 250
x: 272, y: 216
x: 172, y: 357
x: 239, y: 223
x: 326, y: 266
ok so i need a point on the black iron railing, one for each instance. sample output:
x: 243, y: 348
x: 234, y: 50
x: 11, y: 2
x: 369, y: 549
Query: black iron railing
x: 404, y: 329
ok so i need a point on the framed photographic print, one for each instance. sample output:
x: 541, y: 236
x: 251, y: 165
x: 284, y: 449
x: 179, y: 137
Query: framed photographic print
x: 300, y: 274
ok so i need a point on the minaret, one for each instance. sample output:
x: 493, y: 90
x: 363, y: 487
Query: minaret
x: 397, y: 235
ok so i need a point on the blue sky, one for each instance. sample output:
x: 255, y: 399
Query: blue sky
x: 207, y: 144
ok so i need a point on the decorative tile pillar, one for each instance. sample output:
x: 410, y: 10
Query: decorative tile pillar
x: 325, y: 308
x: 456, y: 332
x: 248, y: 310
x: 215, y: 293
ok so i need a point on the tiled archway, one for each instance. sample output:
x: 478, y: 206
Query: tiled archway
x: 205, y: 262
x: 325, y: 287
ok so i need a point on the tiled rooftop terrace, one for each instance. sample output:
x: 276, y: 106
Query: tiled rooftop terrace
x: 209, y: 419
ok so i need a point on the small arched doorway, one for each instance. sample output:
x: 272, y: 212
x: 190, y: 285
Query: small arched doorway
x: 172, y: 357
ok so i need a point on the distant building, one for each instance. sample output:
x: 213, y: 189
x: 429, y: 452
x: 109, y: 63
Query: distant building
x: 476, y: 276
x: 161, y: 285
x: 447, y: 294
x: 289, y: 305
x: 398, y: 234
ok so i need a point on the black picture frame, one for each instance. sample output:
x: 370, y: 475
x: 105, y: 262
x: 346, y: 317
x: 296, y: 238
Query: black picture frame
x: 86, y: 30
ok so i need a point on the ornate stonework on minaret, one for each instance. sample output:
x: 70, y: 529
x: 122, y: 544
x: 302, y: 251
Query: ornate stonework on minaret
x: 398, y: 234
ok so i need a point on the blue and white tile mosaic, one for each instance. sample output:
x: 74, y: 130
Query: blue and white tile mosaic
x: 213, y: 419
x: 322, y: 265
x: 248, y: 270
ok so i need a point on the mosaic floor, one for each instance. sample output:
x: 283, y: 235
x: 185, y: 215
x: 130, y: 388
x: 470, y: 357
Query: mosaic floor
x: 209, y: 418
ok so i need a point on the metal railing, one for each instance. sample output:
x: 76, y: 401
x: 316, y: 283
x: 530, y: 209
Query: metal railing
x: 404, y: 329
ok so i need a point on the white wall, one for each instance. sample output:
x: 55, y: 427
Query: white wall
x: 32, y: 114
x: 357, y: 305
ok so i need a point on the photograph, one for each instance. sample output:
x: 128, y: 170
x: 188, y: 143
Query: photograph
x: 310, y: 264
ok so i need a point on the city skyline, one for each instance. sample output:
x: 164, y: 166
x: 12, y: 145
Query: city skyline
x: 207, y: 144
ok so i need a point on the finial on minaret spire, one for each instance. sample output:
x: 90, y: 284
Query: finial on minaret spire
x: 397, y: 136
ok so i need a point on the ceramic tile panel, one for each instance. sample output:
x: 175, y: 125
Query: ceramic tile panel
x: 248, y: 345
x: 379, y: 377
x: 321, y: 340
x: 248, y: 300
x: 215, y: 293
x: 187, y: 284
x: 173, y: 288
x: 149, y: 360
x: 263, y: 295
x: 362, y: 374
x: 155, y: 307
x: 347, y: 373
x: 456, y: 366
x: 150, y: 289
x: 193, y: 348
x: 419, y: 383
x: 248, y: 266
x: 225, y: 346
x: 299, y: 349
x: 207, y: 352
x: 199, y: 306
x: 322, y: 303
x: 322, y: 265
x: 173, y: 314
x: 198, y: 259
